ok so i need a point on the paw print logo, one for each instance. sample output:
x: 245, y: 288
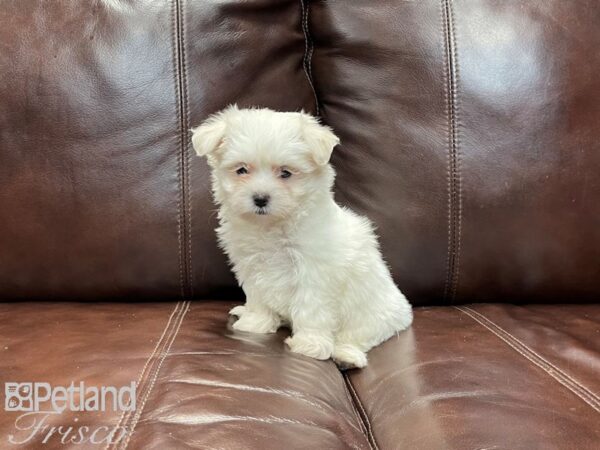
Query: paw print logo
x: 18, y: 396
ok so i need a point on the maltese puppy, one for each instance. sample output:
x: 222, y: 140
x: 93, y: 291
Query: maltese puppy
x: 302, y: 260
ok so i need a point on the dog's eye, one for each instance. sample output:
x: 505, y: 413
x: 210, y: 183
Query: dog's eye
x: 285, y: 174
x: 241, y: 171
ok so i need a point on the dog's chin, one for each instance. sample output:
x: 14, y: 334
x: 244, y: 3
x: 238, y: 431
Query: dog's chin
x: 257, y: 214
x: 263, y: 216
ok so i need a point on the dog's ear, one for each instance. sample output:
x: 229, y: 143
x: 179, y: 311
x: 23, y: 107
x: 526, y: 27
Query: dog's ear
x: 207, y: 137
x: 319, y: 138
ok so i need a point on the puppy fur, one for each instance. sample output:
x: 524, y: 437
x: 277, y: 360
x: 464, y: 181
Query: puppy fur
x: 301, y: 259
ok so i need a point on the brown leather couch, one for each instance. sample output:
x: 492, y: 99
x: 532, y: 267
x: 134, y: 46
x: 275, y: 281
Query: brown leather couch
x: 470, y: 135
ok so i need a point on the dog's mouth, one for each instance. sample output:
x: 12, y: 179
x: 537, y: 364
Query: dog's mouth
x: 261, y: 211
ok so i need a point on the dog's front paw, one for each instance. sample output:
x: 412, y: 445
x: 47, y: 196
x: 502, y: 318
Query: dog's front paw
x: 349, y: 357
x: 309, y: 344
x: 237, y: 311
x: 254, y: 322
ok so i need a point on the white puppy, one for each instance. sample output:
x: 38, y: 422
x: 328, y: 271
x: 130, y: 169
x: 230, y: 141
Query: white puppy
x: 301, y: 259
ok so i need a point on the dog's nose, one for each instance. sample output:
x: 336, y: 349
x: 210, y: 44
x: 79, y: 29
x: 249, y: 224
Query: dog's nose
x: 261, y: 200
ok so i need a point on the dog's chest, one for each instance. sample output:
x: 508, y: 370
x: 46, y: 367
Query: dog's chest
x: 271, y: 256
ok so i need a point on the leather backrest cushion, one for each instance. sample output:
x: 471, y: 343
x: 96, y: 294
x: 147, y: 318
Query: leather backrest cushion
x: 100, y: 196
x: 471, y: 136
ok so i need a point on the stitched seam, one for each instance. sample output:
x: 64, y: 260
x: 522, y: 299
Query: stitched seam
x: 171, y: 339
x: 308, y: 51
x: 453, y: 173
x: 183, y: 156
x: 554, y: 372
x: 179, y: 143
x: 363, y: 413
x: 143, y: 391
x: 559, y: 371
x: 186, y: 151
x: 448, y: 134
x: 125, y: 416
x: 457, y: 155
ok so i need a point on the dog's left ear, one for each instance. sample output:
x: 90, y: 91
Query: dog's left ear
x: 320, y: 138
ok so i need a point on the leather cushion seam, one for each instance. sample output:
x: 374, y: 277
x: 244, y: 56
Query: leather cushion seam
x: 453, y: 172
x: 186, y: 153
x: 363, y: 414
x: 142, y: 378
x: 567, y: 381
x: 308, y: 52
x: 353, y: 405
x: 184, y: 212
x: 165, y: 352
x: 174, y: 39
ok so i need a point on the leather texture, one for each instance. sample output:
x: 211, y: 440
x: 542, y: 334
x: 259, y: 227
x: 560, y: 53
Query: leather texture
x: 485, y: 376
x: 100, y: 194
x: 474, y: 152
x: 474, y: 376
x: 470, y: 136
x: 200, y: 384
x: 88, y: 151
x: 380, y: 77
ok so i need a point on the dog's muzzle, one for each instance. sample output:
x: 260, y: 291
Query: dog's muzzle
x: 261, y: 200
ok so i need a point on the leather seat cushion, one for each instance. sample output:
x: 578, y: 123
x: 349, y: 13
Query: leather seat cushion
x: 200, y: 385
x: 487, y: 376
x: 463, y: 377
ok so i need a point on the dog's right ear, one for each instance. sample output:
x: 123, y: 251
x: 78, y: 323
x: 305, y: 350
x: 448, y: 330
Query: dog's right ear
x: 207, y: 137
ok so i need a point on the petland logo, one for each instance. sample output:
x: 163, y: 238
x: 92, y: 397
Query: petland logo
x: 43, y: 397
x: 39, y: 402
